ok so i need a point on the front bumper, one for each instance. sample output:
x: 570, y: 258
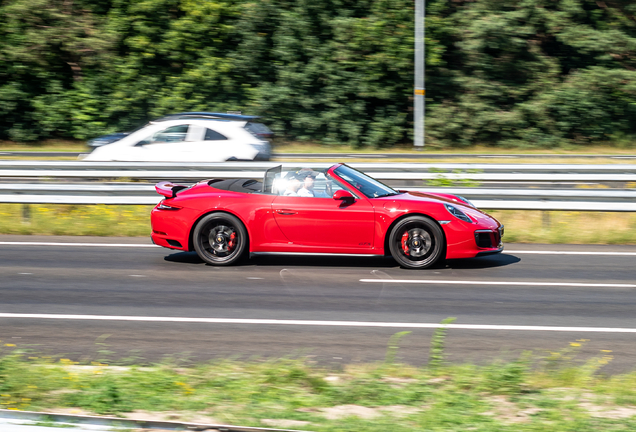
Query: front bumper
x: 469, y: 241
x: 489, y: 238
x: 490, y: 252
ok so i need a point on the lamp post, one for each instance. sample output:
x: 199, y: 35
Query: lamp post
x: 420, y: 89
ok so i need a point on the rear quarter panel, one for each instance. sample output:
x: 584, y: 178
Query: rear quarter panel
x: 254, y: 210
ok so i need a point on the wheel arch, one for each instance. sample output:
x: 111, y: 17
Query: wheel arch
x: 196, y: 222
x: 387, y: 251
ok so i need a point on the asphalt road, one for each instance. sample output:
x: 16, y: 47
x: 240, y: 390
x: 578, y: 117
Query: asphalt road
x: 523, y: 287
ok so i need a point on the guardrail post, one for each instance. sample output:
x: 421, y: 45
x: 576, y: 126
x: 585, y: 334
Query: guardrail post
x: 545, y: 218
x: 26, y: 213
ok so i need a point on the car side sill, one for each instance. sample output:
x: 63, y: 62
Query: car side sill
x: 314, y: 254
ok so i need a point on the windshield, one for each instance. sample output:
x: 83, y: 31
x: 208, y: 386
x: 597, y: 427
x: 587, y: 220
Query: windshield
x: 371, y: 188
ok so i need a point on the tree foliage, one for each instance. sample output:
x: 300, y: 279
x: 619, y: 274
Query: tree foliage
x: 508, y: 73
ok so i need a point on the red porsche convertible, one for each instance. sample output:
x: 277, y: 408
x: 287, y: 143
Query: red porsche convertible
x: 338, y: 210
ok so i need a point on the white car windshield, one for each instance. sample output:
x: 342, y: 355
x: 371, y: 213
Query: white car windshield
x: 371, y: 188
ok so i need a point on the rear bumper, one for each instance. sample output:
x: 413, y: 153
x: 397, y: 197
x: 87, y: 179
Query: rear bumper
x: 170, y: 228
x: 165, y: 241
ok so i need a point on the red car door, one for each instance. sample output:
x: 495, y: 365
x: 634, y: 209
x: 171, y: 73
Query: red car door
x: 326, y: 224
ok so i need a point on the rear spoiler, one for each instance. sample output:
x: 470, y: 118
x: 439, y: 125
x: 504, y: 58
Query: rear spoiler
x: 168, y: 189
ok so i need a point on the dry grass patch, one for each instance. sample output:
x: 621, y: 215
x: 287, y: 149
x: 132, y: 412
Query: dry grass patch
x: 561, y: 227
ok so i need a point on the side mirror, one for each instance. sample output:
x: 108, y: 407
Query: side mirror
x: 343, y: 195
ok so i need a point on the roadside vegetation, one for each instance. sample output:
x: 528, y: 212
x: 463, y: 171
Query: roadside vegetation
x: 134, y: 221
x: 94, y: 220
x: 539, y: 391
x: 572, y: 227
x: 532, y: 73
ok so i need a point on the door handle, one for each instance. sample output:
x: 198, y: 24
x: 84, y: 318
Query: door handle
x: 285, y: 212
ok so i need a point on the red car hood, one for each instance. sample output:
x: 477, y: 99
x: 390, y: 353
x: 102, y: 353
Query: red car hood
x: 415, y: 197
x: 447, y: 198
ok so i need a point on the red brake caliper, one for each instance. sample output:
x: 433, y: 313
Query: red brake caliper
x: 230, y: 244
x: 405, y: 248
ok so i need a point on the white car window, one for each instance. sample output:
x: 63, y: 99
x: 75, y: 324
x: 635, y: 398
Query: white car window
x: 169, y: 135
x: 211, y: 135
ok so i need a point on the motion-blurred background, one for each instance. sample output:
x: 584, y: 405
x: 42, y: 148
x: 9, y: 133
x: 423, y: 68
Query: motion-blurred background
x: 530, y: 73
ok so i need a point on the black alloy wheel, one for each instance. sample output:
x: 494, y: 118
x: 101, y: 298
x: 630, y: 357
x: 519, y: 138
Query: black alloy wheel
x: 416, y: 242
x: 220, y: 239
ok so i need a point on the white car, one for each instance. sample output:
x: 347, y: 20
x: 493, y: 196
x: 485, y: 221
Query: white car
x: 189, y: 137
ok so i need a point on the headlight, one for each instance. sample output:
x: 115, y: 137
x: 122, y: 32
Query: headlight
x: 461, y: 198
x: 457, y: 213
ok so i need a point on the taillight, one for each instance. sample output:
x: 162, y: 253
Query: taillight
x: 163, y: 206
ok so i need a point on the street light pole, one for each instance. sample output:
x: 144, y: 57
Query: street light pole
x: 420, y: 89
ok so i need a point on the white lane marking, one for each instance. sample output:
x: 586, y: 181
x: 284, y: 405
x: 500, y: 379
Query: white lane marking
x: 255, y: 278
x: 137, y: 275
x: 25, y: 273
x: 141, y: 245
x: 571, y: 253
x: 464, y: 282
x: 320, y: 323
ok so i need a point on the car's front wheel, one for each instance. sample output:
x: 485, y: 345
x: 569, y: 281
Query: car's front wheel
x: 416, y: 242
x: 220, y: 239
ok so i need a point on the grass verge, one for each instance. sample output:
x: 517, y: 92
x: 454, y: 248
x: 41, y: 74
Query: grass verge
x: 556, y: 227
x: 532, y: 393
x: 94, y: 220
x: 567, y: 227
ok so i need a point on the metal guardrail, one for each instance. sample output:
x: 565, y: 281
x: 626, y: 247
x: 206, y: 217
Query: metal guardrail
x: 382, y: 171
x: 407, y: 176
x: 495, y: 199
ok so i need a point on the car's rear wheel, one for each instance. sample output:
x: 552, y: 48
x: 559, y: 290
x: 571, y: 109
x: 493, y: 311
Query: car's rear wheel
x: 220, y: 239
x: 416, y: 242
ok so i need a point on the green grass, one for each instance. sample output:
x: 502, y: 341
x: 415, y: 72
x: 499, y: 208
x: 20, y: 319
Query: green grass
x: 133, y: 221
x: 535, y: 392
x: 96, y: 220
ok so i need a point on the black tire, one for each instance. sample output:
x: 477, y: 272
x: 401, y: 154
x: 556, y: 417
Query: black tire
x: 417, y: 242
x: 220, y: 239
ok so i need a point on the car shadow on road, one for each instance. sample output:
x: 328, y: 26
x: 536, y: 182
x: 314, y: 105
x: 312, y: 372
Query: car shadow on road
x: 488, y: 261
x: 348, y: 261
x: 294, y: 260
x: 185, y: 258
